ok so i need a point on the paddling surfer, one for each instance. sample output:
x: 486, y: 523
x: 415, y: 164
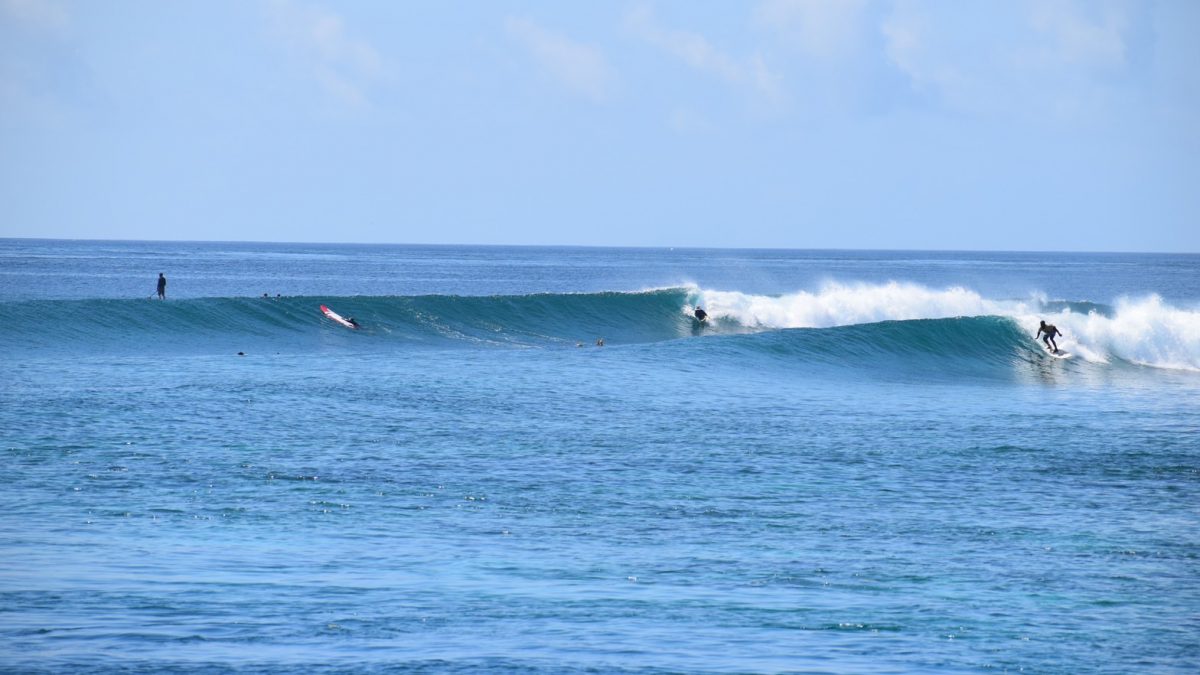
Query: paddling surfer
x: 1050, y: 331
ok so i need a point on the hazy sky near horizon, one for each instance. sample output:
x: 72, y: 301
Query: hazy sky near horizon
x: 918, y: 124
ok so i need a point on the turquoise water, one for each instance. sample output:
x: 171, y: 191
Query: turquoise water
x: 863, y: 463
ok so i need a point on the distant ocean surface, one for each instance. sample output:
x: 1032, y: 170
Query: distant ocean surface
x: 863, y: 462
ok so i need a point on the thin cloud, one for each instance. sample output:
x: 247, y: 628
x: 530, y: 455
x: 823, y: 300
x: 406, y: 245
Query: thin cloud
x: 581, y: 68
x: 1045, y: 58
x: 821, y: 29
x: 45, y: 14
x: 343, y: 64
x: 697, y: 52
x: 910, y: 45
x: 1076, y: 40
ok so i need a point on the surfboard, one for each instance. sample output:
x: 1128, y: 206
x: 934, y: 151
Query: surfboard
x: 337, y: 317
x: 1060, y: 354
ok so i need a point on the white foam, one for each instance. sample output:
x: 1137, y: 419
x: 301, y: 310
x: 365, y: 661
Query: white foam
x: 837, y: 304
x: 1146, y: 331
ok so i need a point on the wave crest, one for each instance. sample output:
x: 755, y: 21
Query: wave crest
x: 846, y: 304
x: 896, y: 318
x: 1144, y: 331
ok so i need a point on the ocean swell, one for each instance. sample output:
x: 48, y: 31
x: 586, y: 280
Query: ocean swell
x: 900, y: 319
x: 1144, y: 331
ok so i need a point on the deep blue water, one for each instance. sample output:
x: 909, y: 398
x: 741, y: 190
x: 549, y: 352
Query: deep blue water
x: 862, y: 463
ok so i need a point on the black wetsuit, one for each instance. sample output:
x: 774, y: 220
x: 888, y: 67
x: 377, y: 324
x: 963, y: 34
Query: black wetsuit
x: 162, y: 287
x: 1050, y: 333
x: 701, y: 315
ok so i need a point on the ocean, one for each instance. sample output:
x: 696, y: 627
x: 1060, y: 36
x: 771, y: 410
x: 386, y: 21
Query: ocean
x: 862, y: 462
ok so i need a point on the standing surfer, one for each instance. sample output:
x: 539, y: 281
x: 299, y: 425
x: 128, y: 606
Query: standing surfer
x: 162, y: 287
x: 1050, y: 331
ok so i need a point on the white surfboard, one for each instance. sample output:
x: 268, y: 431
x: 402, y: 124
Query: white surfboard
x: 337, y: 317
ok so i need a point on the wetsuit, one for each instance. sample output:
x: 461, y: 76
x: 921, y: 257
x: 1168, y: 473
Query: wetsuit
x: 1050, y: 332
x: 701, y: 314
x: 162, y: 287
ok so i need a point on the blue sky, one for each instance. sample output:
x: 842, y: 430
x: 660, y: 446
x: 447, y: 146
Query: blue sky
x: 1056, y: 125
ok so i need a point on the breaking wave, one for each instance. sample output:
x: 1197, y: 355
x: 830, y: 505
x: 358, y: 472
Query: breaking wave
x: 842, y: 322
x: 1144, y: 331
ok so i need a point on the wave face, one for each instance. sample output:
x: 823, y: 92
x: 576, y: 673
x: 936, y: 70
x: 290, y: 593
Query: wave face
x: 1144, y: 331
x: 213, y: 324
x: 842, y: 323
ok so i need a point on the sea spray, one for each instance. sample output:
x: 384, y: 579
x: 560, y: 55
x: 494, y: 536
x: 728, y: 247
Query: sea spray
x: 1146, y: 331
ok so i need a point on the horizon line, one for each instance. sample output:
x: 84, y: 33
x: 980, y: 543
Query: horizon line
x: 595, y: 246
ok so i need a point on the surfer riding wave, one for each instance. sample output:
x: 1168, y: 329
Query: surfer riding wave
x: 1047, y: 332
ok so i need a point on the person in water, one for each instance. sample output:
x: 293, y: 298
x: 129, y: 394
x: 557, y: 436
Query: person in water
x: 350, y: 319
x: 162, y: 287
x: 1050, y: 331
x: 701, y: 315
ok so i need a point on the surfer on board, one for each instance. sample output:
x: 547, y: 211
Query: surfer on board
x: 162, y: 287
x: 1050, y: 331
x: 701, y: 315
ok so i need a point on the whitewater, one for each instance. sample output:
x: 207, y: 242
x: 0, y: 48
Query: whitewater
x: 1145, y: 331
x: 535, y: 460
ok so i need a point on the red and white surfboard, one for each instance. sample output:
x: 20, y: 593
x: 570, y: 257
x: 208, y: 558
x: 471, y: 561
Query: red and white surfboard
x: 337, y: 317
